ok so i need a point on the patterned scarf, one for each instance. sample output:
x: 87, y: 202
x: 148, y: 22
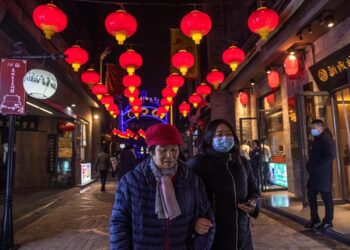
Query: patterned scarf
x: 166, y: 204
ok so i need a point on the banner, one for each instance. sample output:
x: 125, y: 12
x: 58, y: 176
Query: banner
x: 114, y: 75
x: 179, y: 41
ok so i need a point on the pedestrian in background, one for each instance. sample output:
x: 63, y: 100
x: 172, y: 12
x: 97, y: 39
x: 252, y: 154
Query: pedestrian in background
x: 102, y: 165
x: 230, y: 185
x: 158, y: 203
x: 266, y: 158
x: 245, y: 149
x: 127, y: 160
x: 320, y: 172
x: 256, y: 161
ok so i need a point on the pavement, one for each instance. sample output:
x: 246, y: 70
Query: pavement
x: 79, y: 219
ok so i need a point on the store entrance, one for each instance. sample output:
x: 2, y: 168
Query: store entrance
x: 317, y: 105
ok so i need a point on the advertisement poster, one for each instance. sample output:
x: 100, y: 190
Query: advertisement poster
x: 65, y: 147
x: 85, y: 173
x: 278, y: 174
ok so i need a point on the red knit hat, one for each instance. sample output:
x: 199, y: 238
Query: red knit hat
x: 163, y: 134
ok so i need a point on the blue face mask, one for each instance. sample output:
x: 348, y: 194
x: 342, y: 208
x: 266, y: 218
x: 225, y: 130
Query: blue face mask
x: 223, y: 144
x: 315, y: 132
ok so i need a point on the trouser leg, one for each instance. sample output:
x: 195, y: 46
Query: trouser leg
x: 103, y: 174
x: 312, y: 198
x: 329, y: 207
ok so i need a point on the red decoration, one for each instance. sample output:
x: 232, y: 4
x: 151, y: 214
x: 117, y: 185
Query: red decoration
x: 195, y: 99
x: 76, y: 56
x: 184, y: 109
x: 263, y: 21
x: 136, y: 102
x: 99, y: 90
x: 107, y: 100
x: 175, y: 81
x: 168, y: 93
x: 273, y: 79
x: 196, y: 24
x: 49, y: 19
x: 233, y: 56
x: 90, y: 76
x: 132, y: 95
x: 203, y: 89
x: 182, y: 60
x: 243, y: 98
x: 161, y: 111
x: 130, y: 60
x: 291, y: 65
x: 215, y: 78
x: 271, y: 99
x: 69, y: 126
x: 136, y: 110
x: 165, y: 102
x: 121, y: 25
x: 131, y: 82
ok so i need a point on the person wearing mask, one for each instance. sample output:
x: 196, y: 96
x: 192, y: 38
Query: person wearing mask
x: 102, y: 165
x: 159, y: 202
x: 230, y: 185
x: 320, y: 179
x: 255, y: 161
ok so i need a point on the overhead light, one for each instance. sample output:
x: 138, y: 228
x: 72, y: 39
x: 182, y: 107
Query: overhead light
x: 252, y: 82
x: 309, y: 29
x: 73, y: 105
x: 268, y: 70
x: 40, y: 108
x: 330, y: 24
x: 96, y: 117
x: 327, y: 19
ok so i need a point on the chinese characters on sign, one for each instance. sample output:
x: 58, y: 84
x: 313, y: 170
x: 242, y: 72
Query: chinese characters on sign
x: 12, y: 95
x: 52, y: 152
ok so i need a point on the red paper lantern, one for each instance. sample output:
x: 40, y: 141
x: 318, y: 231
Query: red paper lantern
x: 195, y: 99
x: 175, y: 81
x: 136, y: 102
x: 107, y: 100
x: 184, y: 109
x: 136, y: 110
x: 131, y: 82
x: 161, y: 111
x: 69, y: 126
x: 270, y: 99
x: 291, y: 65
x: 263, y: 21
x: 121, y: 25
x: 99, y: 90
x: 273, y: 79
x: 130, y: 60
x: 182, y: 60
x: 49, y: 19
x: 233, y: 56
x: 168, y: 93
x: 132, y: 95
x: 166, y: 103
x: 243, y: 98
x: 215, y: 78
x: 195, y: 25
x: 76, y: 56
x: 90, y: 76
x: 203, y: 89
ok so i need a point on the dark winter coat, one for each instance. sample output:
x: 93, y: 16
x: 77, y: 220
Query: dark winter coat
x: 135, y: 225
x: 320, y: 164
x: 255, y: 161
x: 103, y: 162
x: 127, y: 162
x: 229, y: 180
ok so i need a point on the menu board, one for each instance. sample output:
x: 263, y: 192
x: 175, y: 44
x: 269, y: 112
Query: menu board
x: 85, y: 173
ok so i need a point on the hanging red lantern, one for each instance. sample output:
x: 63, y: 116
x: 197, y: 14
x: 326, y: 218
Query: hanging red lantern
x: 270, y: 99
x: 61, y: 125
x: 233, y: 56
x: 132, y: 95
x: 168, y: 93
x: 50, y: 19
x: 184, y: 109
x: 273, y: 79
x: 161, y: 111
x: 195, y: 25
x: 112, y: 109
x: 131, y: 82
x: 136, y: 110
x: 175, y: 81
x: 195, y: 99
x: 263, y: 21
x: 203, y: 89
x: 90, y: 76
x: 121, y: 25
x: 291, y: 65
x: 166, y: 103
x: 76, y: 56
x: 107, y: 100
x: 136, y: 102
x: 99, y: 90
x: 182, y: 60
x: 215, y: 78
x: 130, y: 60
x: 69, y: 126
x: 243, y: 98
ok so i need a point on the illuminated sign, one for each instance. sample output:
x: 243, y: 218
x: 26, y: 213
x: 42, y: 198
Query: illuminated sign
x: 40, y: 84
x: 278, y: 174
x: 85, y: 173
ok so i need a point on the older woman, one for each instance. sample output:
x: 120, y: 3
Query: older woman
x: 230, y: 184
x: 157, y: 204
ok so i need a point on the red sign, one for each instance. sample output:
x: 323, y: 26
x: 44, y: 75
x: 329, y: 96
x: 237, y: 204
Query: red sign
x: 12, y: 94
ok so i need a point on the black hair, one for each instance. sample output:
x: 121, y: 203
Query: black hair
x: 152, y: 149
x: 256, y: 142
x: 210, y: 133
x: 318, y: 122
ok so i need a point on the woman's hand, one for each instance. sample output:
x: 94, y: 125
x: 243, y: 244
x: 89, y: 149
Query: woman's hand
x: 202, y: 226
x: 248, y: 207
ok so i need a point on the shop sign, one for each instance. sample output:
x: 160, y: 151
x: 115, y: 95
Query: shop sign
x: 65, y: 147
x: 331, y: 72
x: 40, y: 84
x: 52, y: 152
x: 278, y: 174
x: 12, y: 95
x: 85, y: 173
x: 22, y: 122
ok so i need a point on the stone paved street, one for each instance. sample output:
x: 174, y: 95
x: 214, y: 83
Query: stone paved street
x: 81, y: 222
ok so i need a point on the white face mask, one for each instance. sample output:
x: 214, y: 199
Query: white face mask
x: 223, y: 144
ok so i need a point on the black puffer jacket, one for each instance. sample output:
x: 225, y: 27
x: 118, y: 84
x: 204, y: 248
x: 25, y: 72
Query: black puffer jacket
x: 229, y: 180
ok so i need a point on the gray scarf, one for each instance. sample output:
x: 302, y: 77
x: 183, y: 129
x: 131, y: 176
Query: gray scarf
x: 166, y: 204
